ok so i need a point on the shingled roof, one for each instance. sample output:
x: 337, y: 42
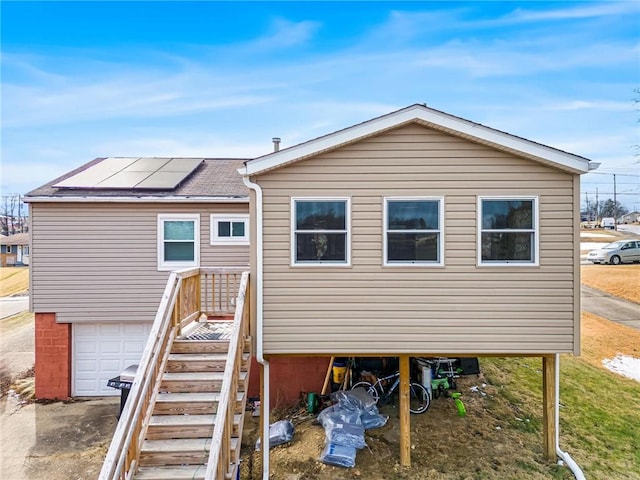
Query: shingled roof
x: 215, y: 177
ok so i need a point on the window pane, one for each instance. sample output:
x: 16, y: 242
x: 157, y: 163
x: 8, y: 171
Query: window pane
x: 413, y: 215
x: 504, y: 214
x: 178, y: 251
x: 407, y: 247
x: 320, y: 215
x: 238, y: 229
x: 507, y: 246
x: 321, y: 247
x: 179, y: 230
x: 224, y: 229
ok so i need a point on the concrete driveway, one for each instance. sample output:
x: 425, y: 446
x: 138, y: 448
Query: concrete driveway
x: 610, y: 307
x: 46, y: 441
x: 12, y: 305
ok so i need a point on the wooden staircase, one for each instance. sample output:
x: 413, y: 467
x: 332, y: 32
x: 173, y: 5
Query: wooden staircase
x: 184, y: 412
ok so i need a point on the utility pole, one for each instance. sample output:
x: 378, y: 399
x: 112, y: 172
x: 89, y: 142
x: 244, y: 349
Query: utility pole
x: 586, y: 194
x: 597, y: 209
x: 20, y: 213
x: 615, y: 205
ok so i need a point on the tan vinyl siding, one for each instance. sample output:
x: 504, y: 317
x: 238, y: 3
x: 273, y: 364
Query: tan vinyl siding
x: 369, y: 308
x: 98, y: 262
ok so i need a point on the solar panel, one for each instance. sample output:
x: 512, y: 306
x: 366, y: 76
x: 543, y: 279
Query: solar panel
x: 123, y: 179
x: 95, y: 174
x: 181, y: 165
x: 162, y: 180
x: 147, y: 164
x: 133, y: 173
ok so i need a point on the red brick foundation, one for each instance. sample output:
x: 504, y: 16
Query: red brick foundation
x: 53, y: 357
x: 290, y: 376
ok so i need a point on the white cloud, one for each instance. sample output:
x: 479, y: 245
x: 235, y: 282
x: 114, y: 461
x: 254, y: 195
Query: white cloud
x: 602, y: 105
x: 286, y: 34
x: 581, y: 12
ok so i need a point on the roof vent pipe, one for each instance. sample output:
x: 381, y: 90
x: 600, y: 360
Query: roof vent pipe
x: 276, y: 144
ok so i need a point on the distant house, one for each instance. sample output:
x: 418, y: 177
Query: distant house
x: 14, y: 250
x: 633, y: 217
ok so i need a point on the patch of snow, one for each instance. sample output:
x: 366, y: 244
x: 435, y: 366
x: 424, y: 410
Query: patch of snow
x: 596, y: 235
x: 624, y: 365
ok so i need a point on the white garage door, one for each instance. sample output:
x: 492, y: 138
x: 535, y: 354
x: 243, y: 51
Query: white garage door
x: 102, y: 351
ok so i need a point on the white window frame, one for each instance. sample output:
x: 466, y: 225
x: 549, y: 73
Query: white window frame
x: 8, y: 250
x: 216, y: 239
x: 347, y: 261
x: 536, y: 232
x: 165, y: 266
x: 386, y: 231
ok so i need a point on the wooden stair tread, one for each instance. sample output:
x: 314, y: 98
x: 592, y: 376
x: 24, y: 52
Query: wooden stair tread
x: 193, y: 397
x: 199, y: 357
x: 197, y: 376
x: 173, y: 472
x: 181, y: 445
x: 186, y: 420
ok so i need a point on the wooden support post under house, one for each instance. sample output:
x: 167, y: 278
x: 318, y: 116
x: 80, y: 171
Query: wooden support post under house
x: 405, y: 422
x: 548, y: 406
x: 327, y: 377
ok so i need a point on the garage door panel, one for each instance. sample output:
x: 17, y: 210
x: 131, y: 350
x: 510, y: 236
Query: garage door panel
x: 111, y: 347
x: 102, y: 351
x: 133, y: 347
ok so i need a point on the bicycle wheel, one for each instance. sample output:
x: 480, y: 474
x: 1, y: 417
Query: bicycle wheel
x: 418, y: 398
x: 370, y: 389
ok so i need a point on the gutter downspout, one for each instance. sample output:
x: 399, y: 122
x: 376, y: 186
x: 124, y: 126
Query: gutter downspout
x: 564, y: 456
x: 264, y: 407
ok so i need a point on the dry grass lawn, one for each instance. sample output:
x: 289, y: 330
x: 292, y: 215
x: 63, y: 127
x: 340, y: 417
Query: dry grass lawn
x: 619, y: 280
x: 13, y: 280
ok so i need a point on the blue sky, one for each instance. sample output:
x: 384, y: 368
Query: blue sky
x: 220, y: 79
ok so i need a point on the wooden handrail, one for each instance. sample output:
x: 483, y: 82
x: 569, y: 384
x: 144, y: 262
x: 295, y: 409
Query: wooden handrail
x: 220, y: 450
x: 180, y: 304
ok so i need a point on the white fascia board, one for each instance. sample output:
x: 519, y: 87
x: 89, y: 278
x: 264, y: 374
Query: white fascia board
x: 136, y: 199
x: 454, y: 125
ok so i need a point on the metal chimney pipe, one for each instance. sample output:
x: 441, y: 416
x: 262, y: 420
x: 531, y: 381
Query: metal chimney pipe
x: 276, y: 144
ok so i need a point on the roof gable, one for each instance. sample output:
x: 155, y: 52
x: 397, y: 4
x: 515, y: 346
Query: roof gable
x: 431, y: 118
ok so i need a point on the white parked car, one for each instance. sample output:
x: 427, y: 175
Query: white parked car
x: 621, y: 251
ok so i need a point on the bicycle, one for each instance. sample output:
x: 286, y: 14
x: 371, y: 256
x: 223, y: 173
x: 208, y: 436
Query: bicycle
x: 419, y: 400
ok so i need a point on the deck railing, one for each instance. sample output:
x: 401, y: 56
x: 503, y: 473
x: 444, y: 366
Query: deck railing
x: 219, y: 289
x: 181, y: 304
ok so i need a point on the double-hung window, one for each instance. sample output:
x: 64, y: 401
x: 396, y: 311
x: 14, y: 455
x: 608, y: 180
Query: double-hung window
x: 320, y: 231
x: 178, y: 241
x: 413, y: 231
x: 229, y: 229
x: 508, y: 231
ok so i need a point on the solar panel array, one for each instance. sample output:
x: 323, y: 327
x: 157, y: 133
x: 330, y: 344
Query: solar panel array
x: 133, y: 173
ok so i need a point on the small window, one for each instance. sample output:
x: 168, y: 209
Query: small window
x: 413, y: 231
x: 229, y: 229
x: 320, y: 231
x: 26, y: 250
x: 9, y: 249
x: 508, y: 231
x: 178, y: 241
